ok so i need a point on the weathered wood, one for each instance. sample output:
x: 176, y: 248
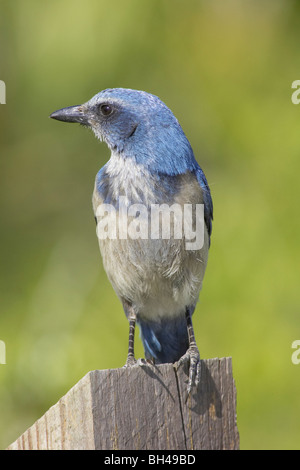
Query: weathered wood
x: 144, y: 407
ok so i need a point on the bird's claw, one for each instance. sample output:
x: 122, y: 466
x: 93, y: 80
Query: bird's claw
x: 193, y: 356
x: 131, y: 362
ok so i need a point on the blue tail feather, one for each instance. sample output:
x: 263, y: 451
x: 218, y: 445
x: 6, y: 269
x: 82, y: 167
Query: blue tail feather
x: 164, y: 341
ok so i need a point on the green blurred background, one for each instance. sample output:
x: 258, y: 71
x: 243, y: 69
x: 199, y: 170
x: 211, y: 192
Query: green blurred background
x: 225, y: 69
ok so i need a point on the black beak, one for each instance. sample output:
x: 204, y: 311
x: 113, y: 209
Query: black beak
x: 71, y: 114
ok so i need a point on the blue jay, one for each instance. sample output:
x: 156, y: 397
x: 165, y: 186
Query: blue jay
x: 152, y: 163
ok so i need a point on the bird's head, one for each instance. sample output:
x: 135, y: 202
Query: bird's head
x: 133, y: 123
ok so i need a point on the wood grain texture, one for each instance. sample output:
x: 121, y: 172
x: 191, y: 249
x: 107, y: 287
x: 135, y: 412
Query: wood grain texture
x: 143, y: 407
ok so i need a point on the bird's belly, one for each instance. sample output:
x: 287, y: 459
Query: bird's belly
x: 160, y: 277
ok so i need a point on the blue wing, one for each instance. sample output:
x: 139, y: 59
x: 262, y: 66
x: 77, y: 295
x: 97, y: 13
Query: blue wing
x: 208, y: 204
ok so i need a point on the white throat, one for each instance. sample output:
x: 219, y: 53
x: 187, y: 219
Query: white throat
x: 129, y: 179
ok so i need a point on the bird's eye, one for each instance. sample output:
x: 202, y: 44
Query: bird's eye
x: 106, y: 109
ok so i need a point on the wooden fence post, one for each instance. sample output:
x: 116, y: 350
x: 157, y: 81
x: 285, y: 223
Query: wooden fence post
x: 144, y: 407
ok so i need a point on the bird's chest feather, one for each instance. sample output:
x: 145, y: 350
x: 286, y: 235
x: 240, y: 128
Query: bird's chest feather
x: 122, y: 177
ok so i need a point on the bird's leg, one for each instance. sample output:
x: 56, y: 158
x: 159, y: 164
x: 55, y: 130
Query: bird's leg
x: 131, y: 361
x: 131, y: 315
x: 192, y: 354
